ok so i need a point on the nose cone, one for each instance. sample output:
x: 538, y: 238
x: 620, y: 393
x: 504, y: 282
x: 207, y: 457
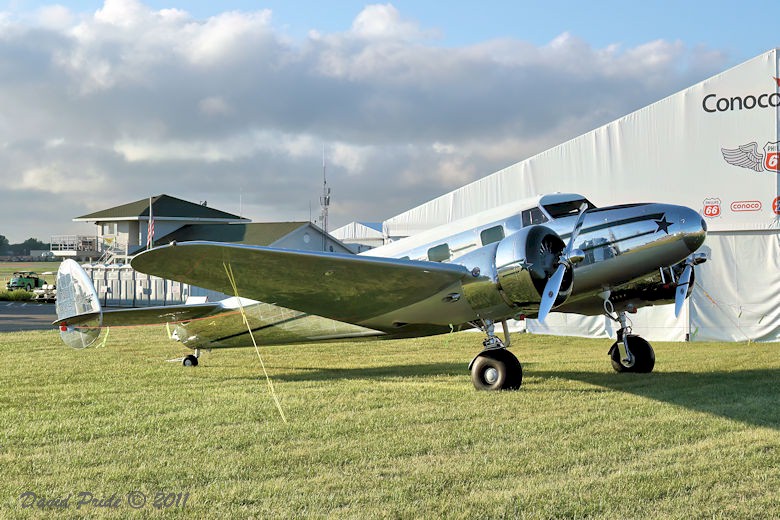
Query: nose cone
x: 693, y: 228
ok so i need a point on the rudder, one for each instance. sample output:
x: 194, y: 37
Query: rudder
x: 79, y: 314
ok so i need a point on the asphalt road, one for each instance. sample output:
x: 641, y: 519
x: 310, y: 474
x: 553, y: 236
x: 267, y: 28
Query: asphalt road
x: 16, y: 316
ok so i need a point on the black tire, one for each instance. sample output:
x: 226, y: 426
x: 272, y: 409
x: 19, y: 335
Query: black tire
x: 496, y: 370
x: 644, y: 356
x: 190, y: 361
x: 28, y: 288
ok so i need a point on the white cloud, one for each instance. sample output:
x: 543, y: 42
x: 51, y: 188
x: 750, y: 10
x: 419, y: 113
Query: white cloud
x: 222, y: 36
x: 215, y: 106
x: 58, y: 179
x: 55, y: 17
x: 380, y: 21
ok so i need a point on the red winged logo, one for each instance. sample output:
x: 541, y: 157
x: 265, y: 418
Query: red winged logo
x: 778, y: 81
x: 748, y: 156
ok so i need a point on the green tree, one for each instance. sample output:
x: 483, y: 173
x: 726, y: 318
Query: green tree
x: 28, y: 245
x: 3, y: 245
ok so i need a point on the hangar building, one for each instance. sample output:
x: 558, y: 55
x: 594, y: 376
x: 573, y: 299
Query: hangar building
x: 713, y: 146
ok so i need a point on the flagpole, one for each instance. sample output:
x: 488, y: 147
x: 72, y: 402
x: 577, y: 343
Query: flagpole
x: 150, y: 227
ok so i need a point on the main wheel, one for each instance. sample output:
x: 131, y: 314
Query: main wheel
x: 644, y: 356
x: 190, y: 361
x: 496, y: 370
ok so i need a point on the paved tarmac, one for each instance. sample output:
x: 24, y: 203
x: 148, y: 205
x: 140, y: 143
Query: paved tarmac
x: 16, y: 316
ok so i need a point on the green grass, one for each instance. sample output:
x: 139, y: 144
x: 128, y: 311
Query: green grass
x: 15, y: 296
x: 391, y: 430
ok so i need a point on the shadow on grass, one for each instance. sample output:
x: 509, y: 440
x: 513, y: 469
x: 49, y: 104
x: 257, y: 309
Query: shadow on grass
x: 748, y: 396
x: 392, y: 371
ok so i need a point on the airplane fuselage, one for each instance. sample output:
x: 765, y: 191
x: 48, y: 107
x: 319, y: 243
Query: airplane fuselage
x: 634, y: 251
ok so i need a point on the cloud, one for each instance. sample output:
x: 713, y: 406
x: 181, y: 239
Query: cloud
x: 108, y: 107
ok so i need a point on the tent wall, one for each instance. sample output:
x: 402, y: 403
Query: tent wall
x: 737, y: 296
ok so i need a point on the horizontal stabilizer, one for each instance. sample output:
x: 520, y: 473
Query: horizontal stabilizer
x: 144, y: 316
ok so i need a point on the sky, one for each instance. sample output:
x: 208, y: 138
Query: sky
x: 233, y: 102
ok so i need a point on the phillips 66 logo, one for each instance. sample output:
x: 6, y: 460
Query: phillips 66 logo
x: 771, y: 157
x: 711, y: 208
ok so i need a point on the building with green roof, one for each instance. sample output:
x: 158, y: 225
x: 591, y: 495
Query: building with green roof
x: 122, y: 231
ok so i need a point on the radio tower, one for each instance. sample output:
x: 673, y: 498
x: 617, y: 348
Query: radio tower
x: 324, y: 203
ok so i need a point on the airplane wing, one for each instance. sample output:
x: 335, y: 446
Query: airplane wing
x: 348, y: 288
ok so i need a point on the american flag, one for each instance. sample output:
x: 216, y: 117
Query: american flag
x: 150, y: 229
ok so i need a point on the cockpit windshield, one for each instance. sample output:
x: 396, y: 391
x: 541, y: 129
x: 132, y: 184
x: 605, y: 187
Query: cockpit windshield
x: 567, y: 208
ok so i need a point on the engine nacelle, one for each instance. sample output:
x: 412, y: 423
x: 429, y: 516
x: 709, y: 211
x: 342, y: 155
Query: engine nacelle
x: 510, y: 275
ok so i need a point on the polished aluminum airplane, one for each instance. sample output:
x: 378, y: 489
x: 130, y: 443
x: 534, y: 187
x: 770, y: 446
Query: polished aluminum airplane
x: 555, y: 252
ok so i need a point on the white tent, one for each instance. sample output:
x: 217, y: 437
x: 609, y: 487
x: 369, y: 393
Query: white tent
x: 362, y: 235
x: 714, y: 146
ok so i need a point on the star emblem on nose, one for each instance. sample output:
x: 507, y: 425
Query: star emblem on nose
x: 663, y: 224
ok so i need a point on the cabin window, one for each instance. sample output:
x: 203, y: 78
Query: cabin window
x: 490, y: 235
x: 109, y: 228
x: 440, y: 253
x: 533, y: 216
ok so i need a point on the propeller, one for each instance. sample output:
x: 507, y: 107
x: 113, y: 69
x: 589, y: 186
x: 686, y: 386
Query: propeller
x: 568, y: 257
x: 682, y: 288
x: 685, y: 280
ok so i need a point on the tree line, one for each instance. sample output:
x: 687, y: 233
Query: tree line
x: 22, y: 249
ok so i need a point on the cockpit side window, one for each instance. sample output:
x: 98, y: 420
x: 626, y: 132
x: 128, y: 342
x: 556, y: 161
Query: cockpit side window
x: 567, y: 209
x: 533, y: 216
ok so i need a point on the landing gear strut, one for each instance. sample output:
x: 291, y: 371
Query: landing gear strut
x: 495, y: 368
x: 630, y: 353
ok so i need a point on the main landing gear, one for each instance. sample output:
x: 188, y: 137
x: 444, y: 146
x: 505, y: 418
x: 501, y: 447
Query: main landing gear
x: 630, y: 353
x: 191, y: 360
x: 495, y: 368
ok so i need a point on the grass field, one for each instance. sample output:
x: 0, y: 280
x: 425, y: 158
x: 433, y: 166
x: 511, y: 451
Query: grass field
x: 389, y: 430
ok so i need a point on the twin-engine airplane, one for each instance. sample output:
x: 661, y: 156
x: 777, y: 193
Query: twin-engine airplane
x: 558, y: 253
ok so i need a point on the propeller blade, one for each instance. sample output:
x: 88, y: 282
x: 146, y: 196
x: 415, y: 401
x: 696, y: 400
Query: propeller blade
x: 682, y: 289
x: 551, y: 290
x: 553, y: 286
x: 577, y: 228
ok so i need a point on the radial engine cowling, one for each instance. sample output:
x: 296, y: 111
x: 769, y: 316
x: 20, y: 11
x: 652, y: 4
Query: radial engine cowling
x: 514, y: 272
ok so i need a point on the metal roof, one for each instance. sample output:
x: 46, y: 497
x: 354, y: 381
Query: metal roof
x: 163, y: 206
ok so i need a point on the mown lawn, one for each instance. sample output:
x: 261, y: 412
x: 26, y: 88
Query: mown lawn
x: 389, y: 430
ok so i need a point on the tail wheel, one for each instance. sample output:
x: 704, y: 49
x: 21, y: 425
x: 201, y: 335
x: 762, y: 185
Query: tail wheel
x: 496, y: 370
x: 644, y: 356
